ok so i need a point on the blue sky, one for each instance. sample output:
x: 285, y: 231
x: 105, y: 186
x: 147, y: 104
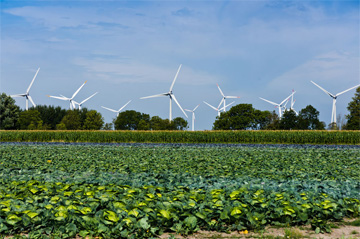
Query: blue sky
x: 130, y: 49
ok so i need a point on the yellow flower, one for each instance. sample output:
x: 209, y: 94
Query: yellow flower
x: 49, y: 161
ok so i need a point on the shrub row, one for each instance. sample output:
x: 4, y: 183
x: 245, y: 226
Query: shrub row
x: 265, y: 137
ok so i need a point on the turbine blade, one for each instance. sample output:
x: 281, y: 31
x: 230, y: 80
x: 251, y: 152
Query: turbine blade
x: 58, y: 97
x: 82, y: 102
x: 153, y: 96
x: 78, y: 90
x: 31, y: 100
x: 222, y: 100
x: 28, y: 89
x: 173, y: 96
x: 210, y: 106
x: 187, y: 110
x: 195, y: 107
x: 177, y: 73
x: 73, y: 104
x: 327, y: 92
x: 226, y: 106
x: 347, y: 90
x: 232, y: 97
x: 286, y: 99
x: 124, y: 105
x: 220, y: 90
x: 18, y: 95
x: 109, y: 109
x: 269, y: 101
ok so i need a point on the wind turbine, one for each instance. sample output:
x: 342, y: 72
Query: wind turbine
x: 171, y: 96
x: 27, y: 95
x: 117, y: 111
x: 82, y: 102
x: 224, y: 98
x: 71, y: 101
x: 279, y: 106
x: 217, y: 109
x: 334, y: 97
x: 291, y: 104
x: 193, y: 116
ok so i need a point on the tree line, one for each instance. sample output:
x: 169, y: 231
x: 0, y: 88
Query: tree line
x: 239, y: 117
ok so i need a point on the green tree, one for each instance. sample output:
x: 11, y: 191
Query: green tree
x: 129, y: 120
x: 289, y: 120
x: 30, y: 119
x: 108, y: 126
x: 71, y: 120
x: 143, y: 125
x: 50, y: 115
x: 157, y: 123
x: 308, y: 119
x: 9, y: 112
x: 353, y: 118
x: 241, y: 117
x: 179, y: 124
x: 274, y: 122
x: 93, y: 120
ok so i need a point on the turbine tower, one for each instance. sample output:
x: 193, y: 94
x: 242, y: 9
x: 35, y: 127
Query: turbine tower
x: 334, y: 97
x: 223, y: 100
x: 193, y: 117
x: 217, y: 109
x: 117, y: 111
x: 71, y: 101
x: 171, y: 96
x: 27, y: 95
x: 82, y: 102
x: 279, y: 106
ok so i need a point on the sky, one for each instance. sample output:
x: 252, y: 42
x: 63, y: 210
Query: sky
x: 130, y: 49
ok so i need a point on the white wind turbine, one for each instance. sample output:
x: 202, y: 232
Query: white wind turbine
x: 171, y: 96
x: 193, y: 117
x: 117, y: 111
x: 224, y: 97
x: 27, y: 95
x: 82, y: 102
x: 71, y: 101
x: 217, y: 109
x: 279, y: 106
x: 334, y: 97
x: 291, y: 104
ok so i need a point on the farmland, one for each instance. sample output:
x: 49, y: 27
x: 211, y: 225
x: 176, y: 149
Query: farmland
x: 145, y: 190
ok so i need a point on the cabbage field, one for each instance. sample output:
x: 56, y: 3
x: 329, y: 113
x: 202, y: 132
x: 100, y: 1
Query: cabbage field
x: 143, y: 190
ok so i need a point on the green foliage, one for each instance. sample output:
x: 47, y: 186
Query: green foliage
x: 289, y: 120
x: 141, y: 192
x: 242, y: 116
x: 353, y: 122
x: 30, y: 119
x: 71, y: 120
x: 108, y: 126
x: 253, y: 136
x: 179, y: 124
x: 309, y: 119
x: 93, y: 120
x: 129, y: 120
x: 9, y: 112
x: 50, y: 115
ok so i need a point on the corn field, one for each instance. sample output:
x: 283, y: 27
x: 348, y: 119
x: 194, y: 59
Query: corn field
x: 255, y: 137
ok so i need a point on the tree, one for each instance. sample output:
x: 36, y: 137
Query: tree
x: 108, y: 126
x: 241, y: 117
x: 93, y: 121
x: 157, y: 123
x: 30, y: 119
x: 289, y: 120
x: 274, y: 122
x: 143, y: 125
x: 50, y: 115
x: 179, y: 124
x: 353, y: 118
x: 71, y: 120
x: 9, y: 112
x: 129, y: 120
x: 309, y: 119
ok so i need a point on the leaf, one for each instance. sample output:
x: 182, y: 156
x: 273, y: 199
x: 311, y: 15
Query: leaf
x: 190, y: 221
x: 144, y: 224
x: 165, y: 213
x: 235, y: 211
x: 111, y: 216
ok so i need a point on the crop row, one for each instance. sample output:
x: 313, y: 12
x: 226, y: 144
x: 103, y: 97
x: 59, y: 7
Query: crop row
x: 267, y: 137
x: 138, y: 192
